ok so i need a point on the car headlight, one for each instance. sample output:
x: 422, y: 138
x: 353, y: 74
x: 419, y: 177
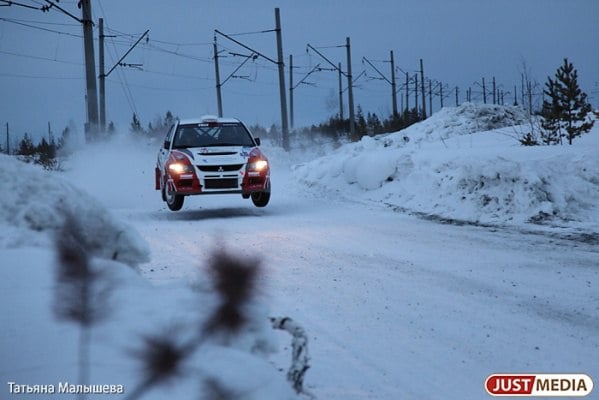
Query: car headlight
x: 180, y: 168
x: 258, y: 165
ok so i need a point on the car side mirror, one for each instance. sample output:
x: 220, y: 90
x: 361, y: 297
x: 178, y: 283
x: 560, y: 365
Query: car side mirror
x: 167, y: 144
x: 257, y: 141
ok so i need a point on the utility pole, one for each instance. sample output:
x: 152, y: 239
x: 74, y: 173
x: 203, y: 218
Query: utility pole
x: 91, y: 130
x: 393, y: 88
x: 494, y: 92
x: 416, y: 94
x: 457, y: 102
x: 281, y: 66
x: 407, y: 109
x: 390, y: 82
x: 430, y: 96
x: 529, y: 87
x: 441, y: 93
x: 291, y: 90
x: 484, y: 92
x: 7, y: 140
x: 102, y: 78
x: 522, y: 89
x: 423, y: 94
x: 219, y: 100
x: 281, y: 69
x: 350, y: 91
x: 352, y: 128
x: 340, y: 93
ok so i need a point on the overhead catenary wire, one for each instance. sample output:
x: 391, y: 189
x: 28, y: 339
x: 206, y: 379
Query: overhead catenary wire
x: 34, y: 57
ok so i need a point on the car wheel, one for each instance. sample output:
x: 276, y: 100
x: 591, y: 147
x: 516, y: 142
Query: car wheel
x: 173, y: 201
x: 260, y: 199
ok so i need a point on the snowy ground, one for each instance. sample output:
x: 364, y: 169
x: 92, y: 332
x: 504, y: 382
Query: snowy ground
x: 397, y: 305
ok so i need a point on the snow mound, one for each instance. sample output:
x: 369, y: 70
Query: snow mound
x: 432, y: 168
x: 35, y: 202
x: 470, y: 118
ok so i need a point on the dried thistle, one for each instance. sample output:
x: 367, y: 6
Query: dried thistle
x: 234, y: 280
x: 79, y: 296
x: 161, y: 358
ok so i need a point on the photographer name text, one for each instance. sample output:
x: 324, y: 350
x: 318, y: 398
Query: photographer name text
x: 64, y: 388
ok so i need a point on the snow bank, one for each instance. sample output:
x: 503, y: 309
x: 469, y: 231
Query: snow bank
x: 464, y: 164
x: 465, y: 119
x: 34, y: 204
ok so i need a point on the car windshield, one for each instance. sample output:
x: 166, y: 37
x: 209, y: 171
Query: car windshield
x: 212, y: 134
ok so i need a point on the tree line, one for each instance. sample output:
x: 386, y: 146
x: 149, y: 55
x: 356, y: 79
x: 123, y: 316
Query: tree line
x: 46, y: 151
x: 43, y: 153
x: 334, y: 128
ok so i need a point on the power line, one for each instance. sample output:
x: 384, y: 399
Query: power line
x: 252, y: 33
x: 17, y: 22
x: 8, y: 3
x: 39, y: 57
x: 13, y: 75
x: 29, y: 21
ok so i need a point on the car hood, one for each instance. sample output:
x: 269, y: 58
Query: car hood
x: 220, y: 154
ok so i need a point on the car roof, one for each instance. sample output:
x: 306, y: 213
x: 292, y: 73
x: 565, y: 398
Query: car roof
x: 208, y: 118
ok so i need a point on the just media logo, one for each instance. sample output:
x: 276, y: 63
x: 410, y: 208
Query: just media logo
x: 547, y: 385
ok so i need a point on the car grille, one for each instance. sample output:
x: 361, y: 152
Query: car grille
x: 225, y: 183
x: 220, y: 168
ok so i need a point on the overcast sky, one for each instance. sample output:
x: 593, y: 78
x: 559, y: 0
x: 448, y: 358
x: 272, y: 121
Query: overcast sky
x: 460, y: 42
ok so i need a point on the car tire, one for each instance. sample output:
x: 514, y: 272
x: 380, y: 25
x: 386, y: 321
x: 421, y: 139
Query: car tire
x: 173, y: 201
x: 260, y: 199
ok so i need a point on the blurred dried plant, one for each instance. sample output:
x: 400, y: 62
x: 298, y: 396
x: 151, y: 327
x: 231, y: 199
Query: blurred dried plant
x: 234, y: 280
x: 81, y: 292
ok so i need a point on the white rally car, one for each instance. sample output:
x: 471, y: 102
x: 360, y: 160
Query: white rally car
x: 211, y: 156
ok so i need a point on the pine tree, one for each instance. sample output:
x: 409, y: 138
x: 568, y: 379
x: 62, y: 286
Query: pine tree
x: 26, y: 146
x: 360, y: 122
x: 568, y: 109
x: 46, y: 154
x: 552, y: 112
x: 136, y: 127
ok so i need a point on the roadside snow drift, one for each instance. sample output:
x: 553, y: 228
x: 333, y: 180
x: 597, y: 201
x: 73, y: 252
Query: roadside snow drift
x: 35, y: 203
x: 465, y: 164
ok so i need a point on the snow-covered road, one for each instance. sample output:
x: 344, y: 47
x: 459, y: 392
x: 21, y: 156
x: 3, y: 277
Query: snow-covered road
x: 395, y: 306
